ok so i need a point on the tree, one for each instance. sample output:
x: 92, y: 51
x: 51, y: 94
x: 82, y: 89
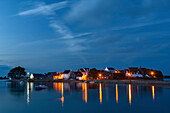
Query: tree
x: 94, y: 73
x: 17, y: 72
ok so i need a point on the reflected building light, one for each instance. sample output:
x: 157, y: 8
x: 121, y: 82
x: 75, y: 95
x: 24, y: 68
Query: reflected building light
x: 100, y: 92
x: 62, y: 92
x: 28, y: 93
x: 55, y: 86
x: 117, y: 93
x: 138, y: 90
x: 60, y: 87
x: 31, y: 86
x: 84, y: 92
x: 78, y: 85
x: 130, y: 94
x: 153, y: 92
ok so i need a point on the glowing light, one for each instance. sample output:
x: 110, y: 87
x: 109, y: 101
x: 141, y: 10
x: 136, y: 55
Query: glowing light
x: 100, y: 92
x: 117, y: 71
x: 84, y: 77
x: 100, y: 75
x: 60, y: 76
x: 28, y: 93
x: 152, y: 73
x: 116, y: 93
x: 153, y: 92
x: 130, y: 94
x: 129, y: 74
x: 84, y: 91
x: 32, y: 76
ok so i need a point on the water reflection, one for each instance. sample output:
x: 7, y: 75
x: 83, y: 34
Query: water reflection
x: 16, y: 88
x: 130, y: 94
x: 100, y: 92
x: 153, y: 92
x: 31, y: 86
x: 28, y: 93
x: 60, y: 87
x: 84, y: 91
x: 117, y: 93
x: 66, y: 89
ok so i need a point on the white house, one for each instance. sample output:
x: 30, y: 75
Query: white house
x: 110, y: 69
x: 66, y: 74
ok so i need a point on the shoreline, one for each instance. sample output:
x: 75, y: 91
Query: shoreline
x: 140, y: 82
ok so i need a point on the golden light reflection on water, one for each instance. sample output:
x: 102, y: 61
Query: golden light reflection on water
x: 84, y: 86
x: 117, y: 93
x: 84, y: 91
x: 31, y: 86
x: 62, y: 92
x: 28, y: 93
x: 153, y: 92
x: 100, y: 92
x: 60, y: 87
x: 130, y: 94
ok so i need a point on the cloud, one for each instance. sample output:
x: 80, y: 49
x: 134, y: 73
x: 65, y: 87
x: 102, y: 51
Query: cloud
x: 61, y: 29
x: 44, y: 9
x: 113, y: 12
x: 141, y: 25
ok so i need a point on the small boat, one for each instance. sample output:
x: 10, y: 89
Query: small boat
x: 40, y: 87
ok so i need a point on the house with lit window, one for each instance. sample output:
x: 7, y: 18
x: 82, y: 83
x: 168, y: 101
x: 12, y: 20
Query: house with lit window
x: 84, y: 71
x: 76, y: 75
x: 66, y: 74
x: 37, y: 76
x: 51, y: 75
x: 133, y: 72
x: 110, y: 69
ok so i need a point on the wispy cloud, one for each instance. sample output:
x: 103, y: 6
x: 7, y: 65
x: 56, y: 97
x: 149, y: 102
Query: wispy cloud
x: 141, y: 25
x: 61, y: 29
x: 44, y: 9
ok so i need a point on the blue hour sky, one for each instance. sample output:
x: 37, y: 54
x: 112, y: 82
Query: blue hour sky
x: 54, y: 35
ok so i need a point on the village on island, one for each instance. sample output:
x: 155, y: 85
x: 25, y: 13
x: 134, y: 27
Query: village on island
x: 87, y: 74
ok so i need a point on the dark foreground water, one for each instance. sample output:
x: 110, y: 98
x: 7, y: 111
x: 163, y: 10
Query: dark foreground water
x: 83, y: 98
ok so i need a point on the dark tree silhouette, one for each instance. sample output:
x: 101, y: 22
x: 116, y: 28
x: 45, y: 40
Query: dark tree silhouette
x: 17, y: 72
x: 94, y: 73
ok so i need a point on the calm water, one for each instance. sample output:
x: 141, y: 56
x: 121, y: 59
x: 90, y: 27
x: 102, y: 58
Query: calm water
x: 83, y: 98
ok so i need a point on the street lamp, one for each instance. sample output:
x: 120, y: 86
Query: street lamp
x: 152, y: 73
x: 100, y: 75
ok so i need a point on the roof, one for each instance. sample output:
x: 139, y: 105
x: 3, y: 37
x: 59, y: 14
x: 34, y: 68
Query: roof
x: 66, y: 72
x: 51, y: 72
x: 82, y: 70
x: 110, y: 68
x: 78, y: 74
x: 133, y: 69
x: 86, y: 69
x: 38, y: 75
